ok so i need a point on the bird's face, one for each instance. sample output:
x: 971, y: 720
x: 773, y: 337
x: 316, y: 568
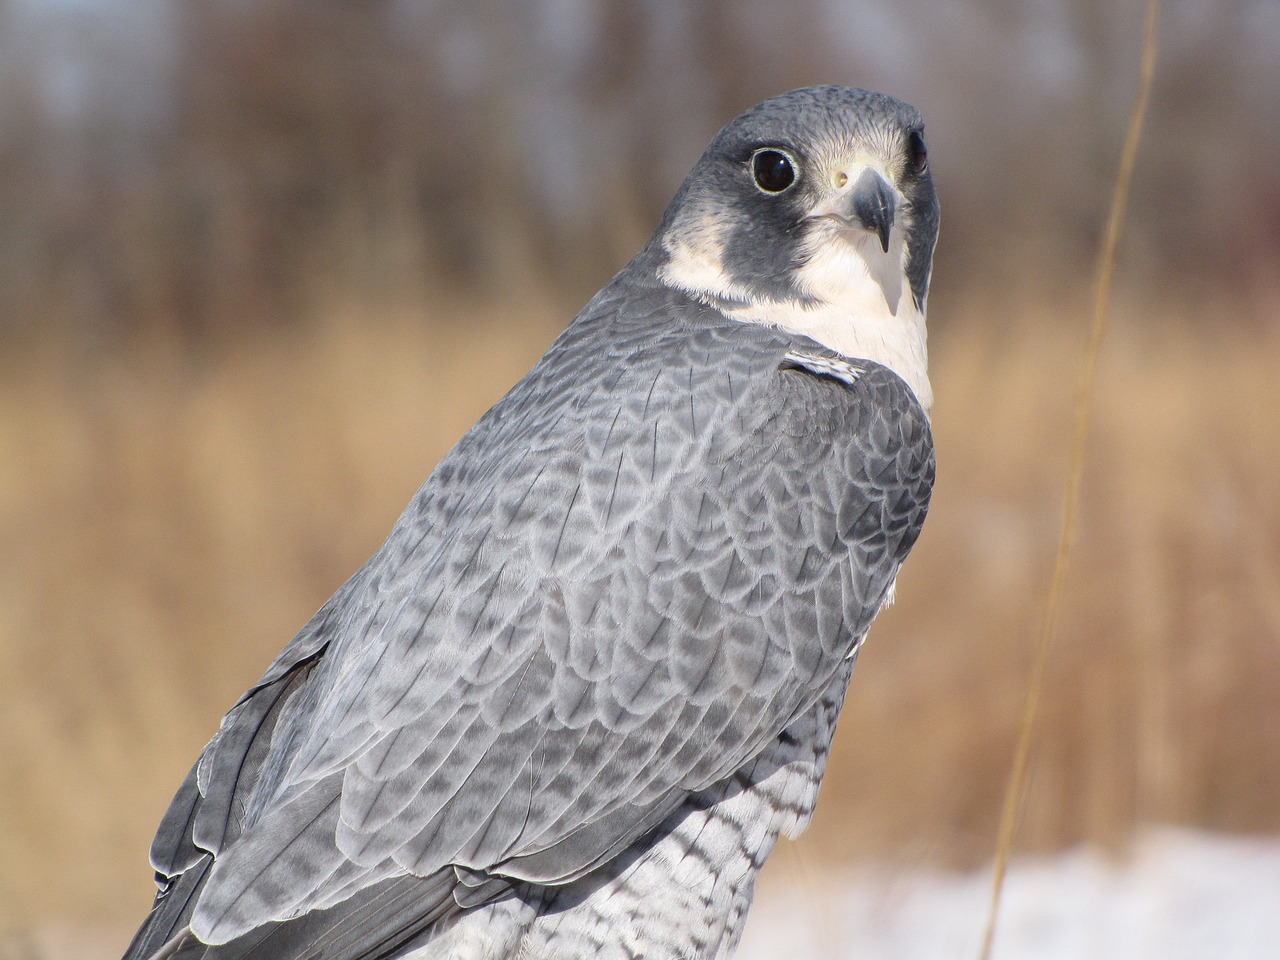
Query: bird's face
x: 797, y: 184
x: 814, y: 211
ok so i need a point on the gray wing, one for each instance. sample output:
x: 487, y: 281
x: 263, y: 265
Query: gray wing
x: 619, y: 587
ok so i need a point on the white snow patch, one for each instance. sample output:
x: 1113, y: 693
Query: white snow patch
x: 1181, y: 895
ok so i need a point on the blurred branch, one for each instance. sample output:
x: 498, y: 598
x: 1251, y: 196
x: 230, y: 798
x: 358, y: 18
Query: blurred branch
x: 1015, y: 796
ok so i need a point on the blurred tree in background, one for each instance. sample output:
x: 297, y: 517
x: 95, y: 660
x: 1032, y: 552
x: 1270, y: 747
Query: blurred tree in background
x: 198, y: 165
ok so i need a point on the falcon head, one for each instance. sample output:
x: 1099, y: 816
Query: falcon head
x: 815, y: 212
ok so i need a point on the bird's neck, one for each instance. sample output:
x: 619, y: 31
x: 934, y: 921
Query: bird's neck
x: 856, y: 330
x: 854, y: 300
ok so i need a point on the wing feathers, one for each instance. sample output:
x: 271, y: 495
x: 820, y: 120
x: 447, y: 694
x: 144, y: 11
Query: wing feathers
x: 591, y: 611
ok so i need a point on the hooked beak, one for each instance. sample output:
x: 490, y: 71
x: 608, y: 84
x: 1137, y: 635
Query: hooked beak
x: 873, y: 203
x: 868, y: 204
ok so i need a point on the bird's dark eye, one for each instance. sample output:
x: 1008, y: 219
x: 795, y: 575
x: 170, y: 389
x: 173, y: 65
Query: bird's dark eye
x: 773, y: 170
x: 917, y: 152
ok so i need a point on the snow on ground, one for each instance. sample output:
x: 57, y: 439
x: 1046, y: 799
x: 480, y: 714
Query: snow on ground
x: 1180, y: 895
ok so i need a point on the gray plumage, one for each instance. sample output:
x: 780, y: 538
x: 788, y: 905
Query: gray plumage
x: 569, y: 705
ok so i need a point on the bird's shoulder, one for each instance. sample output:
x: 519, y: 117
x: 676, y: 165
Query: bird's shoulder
x: 650, y: 352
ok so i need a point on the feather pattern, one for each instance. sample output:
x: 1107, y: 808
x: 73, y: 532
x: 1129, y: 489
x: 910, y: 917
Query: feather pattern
x: 591, y: 675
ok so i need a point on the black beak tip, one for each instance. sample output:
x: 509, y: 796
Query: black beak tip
x: 874, y: 205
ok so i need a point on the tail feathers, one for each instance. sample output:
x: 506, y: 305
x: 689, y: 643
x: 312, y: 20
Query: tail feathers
x: 169, y: 915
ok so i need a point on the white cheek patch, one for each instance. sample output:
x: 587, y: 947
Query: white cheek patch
x: 696, y: 268
x: 695, y: 260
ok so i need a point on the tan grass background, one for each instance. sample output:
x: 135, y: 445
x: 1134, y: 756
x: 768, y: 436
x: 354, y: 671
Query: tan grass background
x: 205, y: 424
x: 169, y: 520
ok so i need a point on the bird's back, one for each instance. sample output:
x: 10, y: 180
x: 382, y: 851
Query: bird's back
x: 591, y: 623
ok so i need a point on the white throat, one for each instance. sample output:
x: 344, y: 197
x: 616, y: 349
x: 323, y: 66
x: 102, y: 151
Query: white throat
x: 861, y: 304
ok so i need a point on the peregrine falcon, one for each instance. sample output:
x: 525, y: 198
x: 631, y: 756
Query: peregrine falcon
x: 568, y: 707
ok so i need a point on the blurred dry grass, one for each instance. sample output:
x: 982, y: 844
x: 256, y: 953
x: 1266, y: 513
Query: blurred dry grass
x: 170, y: 521
x: 173, y: 510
